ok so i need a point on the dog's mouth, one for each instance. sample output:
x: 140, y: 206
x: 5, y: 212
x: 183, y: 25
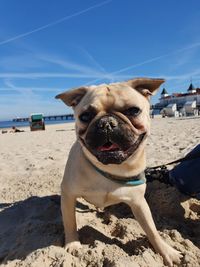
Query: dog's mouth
x: 114, y: 153
x: 114, y: 147
x: 109, y: 147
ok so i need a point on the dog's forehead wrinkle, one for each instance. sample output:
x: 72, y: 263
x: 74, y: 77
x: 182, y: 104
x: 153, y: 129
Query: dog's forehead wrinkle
x: 108, y: 89
x: 116, y: 96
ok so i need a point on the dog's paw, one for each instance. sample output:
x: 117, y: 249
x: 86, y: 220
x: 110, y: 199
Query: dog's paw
x: 171, y: 256
x: 73, y: 247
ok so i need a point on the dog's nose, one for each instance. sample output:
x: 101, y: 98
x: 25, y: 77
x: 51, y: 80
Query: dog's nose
x: 108, y: 123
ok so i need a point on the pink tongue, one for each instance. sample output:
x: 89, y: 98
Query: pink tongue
x: 108, y: 148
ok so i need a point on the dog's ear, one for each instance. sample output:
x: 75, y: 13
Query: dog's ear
x: 73, y: 97
x: 146, y: 86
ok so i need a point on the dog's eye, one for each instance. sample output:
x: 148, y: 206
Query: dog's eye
x: 133, y: 111
x: 86, y: 116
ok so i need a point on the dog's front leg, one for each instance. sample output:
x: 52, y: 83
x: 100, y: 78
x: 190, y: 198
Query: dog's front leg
x: 68, y: 206
x: 142, y: 213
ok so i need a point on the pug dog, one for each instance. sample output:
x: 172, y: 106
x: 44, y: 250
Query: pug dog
x: 107, y: 162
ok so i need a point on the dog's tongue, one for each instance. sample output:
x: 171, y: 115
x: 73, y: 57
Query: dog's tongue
x: 108, y: 147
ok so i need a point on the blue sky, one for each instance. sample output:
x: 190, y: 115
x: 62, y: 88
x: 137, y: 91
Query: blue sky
x: 50, y: 46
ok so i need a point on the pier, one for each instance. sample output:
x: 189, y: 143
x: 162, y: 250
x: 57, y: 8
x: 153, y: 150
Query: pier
x: 49, y: 118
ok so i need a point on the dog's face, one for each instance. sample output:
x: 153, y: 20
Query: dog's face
x: 112, y: 121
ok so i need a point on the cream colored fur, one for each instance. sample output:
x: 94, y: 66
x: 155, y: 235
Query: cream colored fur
x: 84, y: 181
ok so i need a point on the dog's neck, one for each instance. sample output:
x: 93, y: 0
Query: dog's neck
x: 127, y: 181
x: 128, y: 168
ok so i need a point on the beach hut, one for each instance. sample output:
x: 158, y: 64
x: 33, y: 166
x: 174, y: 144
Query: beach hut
x: 170, y: 111
x: 191, y: 108
x: 36, y: 121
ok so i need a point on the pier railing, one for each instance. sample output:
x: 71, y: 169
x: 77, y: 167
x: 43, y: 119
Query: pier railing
x: 49, y: 118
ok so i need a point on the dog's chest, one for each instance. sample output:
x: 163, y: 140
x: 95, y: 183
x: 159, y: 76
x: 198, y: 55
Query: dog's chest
x: 102, y: 192
x: 97, y: 191
x: 97, y: 200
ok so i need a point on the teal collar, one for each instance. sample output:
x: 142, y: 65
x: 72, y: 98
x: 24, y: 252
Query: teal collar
x: 129, y: 181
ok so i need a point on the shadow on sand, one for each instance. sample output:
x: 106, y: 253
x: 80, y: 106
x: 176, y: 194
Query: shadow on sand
x: 28, y: 225
x: 36, y: 222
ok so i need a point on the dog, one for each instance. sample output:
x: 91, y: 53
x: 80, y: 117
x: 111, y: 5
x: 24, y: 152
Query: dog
x: 107, y: 162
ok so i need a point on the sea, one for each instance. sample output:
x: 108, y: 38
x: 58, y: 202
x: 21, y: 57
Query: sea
x: 10, y: 124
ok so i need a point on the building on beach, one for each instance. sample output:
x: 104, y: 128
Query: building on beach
x: 179, y: 104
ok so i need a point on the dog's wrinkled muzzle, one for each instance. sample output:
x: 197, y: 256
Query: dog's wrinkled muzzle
x: 111, y: 140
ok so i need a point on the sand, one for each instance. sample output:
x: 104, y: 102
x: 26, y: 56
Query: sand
x: 31, y: 231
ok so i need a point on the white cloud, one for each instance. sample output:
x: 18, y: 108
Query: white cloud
x: 33, y: 75
x: 72, y: 66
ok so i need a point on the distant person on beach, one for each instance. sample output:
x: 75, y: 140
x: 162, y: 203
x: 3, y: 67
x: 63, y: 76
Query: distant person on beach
x: 152, y: 114
x: 15, y: 130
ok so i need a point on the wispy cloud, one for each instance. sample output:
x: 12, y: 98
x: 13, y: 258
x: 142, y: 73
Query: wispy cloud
x: 20, y: 62
x: 185, y: 76
x: 15, y: 97
x: 92, y: 59
x: 54, y: 22
x: 183, y: 59
x: 39, y: 89
x: 172, y: 53
x: 33, y: 75
x: 81, y: 71
x: 11, y: 87
x: 69, y: 65
x: 10, y: 106
x: 115, y: 76
x: 67, y: 68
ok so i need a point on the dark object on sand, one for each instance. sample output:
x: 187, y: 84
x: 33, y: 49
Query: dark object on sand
x: 185, y: 176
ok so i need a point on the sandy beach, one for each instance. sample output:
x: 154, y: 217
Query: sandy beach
x: 31, y: 231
